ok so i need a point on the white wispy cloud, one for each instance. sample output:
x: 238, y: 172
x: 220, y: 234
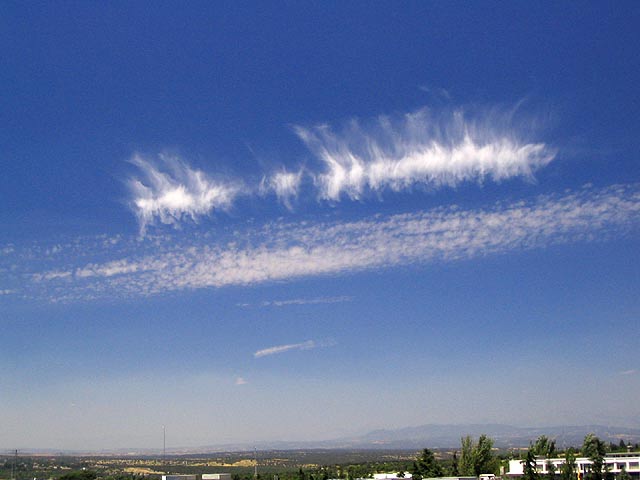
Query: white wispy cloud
x: 284, y: 184
x: 169, y: 190
x: 286, y: 250
x: 117, y: 267
x: 241, y: 381
x: 306, y: 301
x: 420, y: 149
x: 299, y: 301
x: 308, y: 345
x: 628, y: 372
x: 52, y: 275
x: 436, y: 91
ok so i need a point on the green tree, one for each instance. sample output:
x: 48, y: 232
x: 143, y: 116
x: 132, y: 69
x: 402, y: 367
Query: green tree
x: 543, y: 447
x: 454, y: 465
x: 465, y: 464
x: 529, y: 467
x: 427, y: 466
x: 568, y: 469
x: 483, y: 459
x: 415, y: 471
x: 624, y: 475
x: 80, y: 475
x: 476, y: 458
x: 595, y: 450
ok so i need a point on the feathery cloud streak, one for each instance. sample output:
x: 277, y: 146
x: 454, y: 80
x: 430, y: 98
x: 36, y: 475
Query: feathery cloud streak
x: 299, y: 301
x: 417, y: 149
x: 177, y: 192
x: 307, y: 301
x: 284, y: 184
x: 420, y: 150
x: 285, y: 251
x: 308, y: 345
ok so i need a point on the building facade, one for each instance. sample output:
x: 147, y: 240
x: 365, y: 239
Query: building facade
x: 615, y: 463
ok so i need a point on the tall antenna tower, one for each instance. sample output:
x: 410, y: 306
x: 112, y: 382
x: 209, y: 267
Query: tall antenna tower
x: 14, y: 465
x: 164, y: 444
x: 255, y: 465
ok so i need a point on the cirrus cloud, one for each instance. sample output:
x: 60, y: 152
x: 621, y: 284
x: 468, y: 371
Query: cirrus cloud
x: 176, y: 192
x: 390, y: 153
x: 308, y: 345
x: 284, y: 184
x: 420, y: 149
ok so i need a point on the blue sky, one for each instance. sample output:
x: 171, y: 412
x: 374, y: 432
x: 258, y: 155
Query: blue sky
x: 288, y: 221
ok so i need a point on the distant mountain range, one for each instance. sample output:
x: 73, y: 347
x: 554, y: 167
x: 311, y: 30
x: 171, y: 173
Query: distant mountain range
x: 433, y: 436
x: 505, y: 436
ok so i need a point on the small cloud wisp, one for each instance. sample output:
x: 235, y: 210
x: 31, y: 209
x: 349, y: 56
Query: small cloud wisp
x: 308, y: 345
x: 284, y: 184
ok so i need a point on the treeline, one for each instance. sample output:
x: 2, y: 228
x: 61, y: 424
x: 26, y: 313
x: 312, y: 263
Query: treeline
x: 327, y: 472
x: 474, y: 458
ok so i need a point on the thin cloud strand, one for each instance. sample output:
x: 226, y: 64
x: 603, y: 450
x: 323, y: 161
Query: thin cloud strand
x: 307, y: 301
x: 308, y: 345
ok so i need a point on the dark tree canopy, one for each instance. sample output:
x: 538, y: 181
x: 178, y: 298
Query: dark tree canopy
x: 595, y: 450
x: 543, y: 447
x: 483, y: 460
x: 568, y: 469
x: 465, y: 464
x: 426, y: 466
x: 80, y: 475
x: 476, y: 458
x: 529, y: 467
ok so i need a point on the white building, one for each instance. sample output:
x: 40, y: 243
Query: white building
x: 455, y: 478
x: 615, y: 463
x: 216, y: 476
x: 391, y: 476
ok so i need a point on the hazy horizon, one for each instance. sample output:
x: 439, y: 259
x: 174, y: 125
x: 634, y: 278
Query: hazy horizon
x: 447, y: 436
